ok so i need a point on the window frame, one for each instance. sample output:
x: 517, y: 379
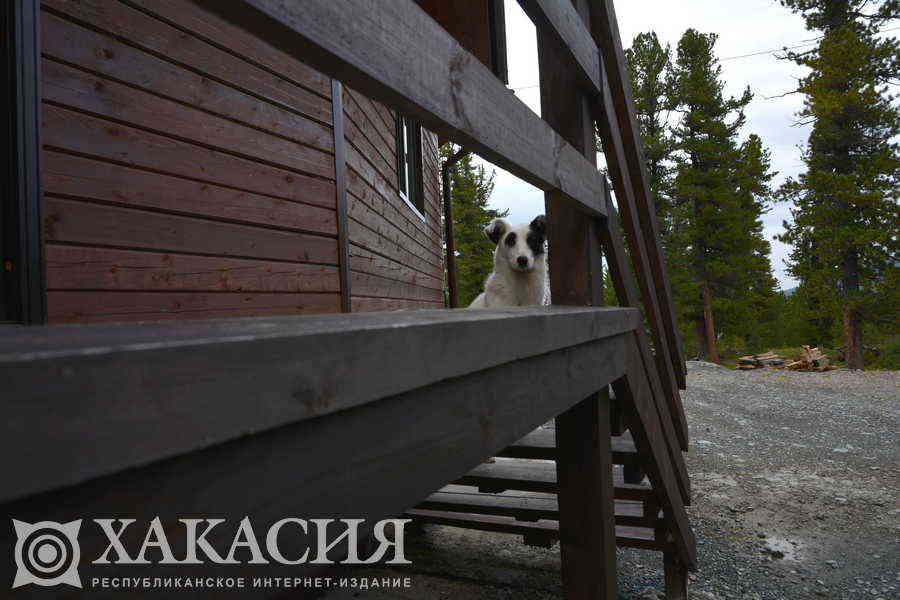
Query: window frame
x: 408, y: 133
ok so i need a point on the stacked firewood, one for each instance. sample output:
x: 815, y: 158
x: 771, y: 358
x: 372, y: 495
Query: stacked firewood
x: 810, y: 359
x: 758, y: 361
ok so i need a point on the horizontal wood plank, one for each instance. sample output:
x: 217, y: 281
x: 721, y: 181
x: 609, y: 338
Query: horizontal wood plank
x: 540, y: 476
x: 86, y: 92
x: 364, y: 284
x: 375, y: 241
x: 363, y: 261
x: 524, y: 506
x: 387, y: 203
x: 227, y: 37
x: 85, y: 268
x: 540, y: 444
x: 102, y: 139
x: 314, y: 468
x: 399, y: 55
x: 205, y: 382
x: 364, y: 304
x: 67, y: 42
x: 116, y: 306
x: 78, y: 177
x: 366, y: 183
x: 362, y: 111
x: 97, y: 224
x: 542, y: 531
x: 388, y: 223
x: 185, y: 49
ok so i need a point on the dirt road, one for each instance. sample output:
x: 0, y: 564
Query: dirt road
x: 795, y: 486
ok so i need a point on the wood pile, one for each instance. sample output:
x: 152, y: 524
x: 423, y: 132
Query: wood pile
x: 810, y: 359
x: 758, y: 361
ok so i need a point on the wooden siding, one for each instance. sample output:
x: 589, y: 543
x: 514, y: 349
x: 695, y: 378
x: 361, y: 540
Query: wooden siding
x: 396, y: 259
x: 189, y: 171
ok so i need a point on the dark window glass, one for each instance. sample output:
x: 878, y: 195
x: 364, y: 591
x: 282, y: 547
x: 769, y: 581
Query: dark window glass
x: 409, y: 161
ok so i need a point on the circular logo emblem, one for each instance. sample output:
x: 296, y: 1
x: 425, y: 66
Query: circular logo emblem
x: 47, y: 553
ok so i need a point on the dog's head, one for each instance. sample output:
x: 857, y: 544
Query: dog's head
x: 519, y: 245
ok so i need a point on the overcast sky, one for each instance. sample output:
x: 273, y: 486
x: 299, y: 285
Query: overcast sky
x: 744, y: 27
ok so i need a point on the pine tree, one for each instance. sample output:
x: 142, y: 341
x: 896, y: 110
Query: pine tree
x: 750, y: 293
x: 471, y: 189
x: 718, y: 196
x: 648, y: 64
x: 845, y: 215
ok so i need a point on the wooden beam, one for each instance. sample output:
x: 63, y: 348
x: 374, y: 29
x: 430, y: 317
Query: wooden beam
x: 540, y: 444
x: 399, y: 55
x: 586, y: 501
x: 542, y: 533
x: 575, y: 42
x: 609, y: 133
x: 676, y: 577
x: 143, y: 392
x: 500, y: 62
x: 533, y: 476
x: 477, y: 25
x: 584, y: 458
x: 24, y: 190
x: 337, y: 466
x: 645, y: 427
x: 524, y: 506
x: 671, y: 415
x: 340, y: 186
x: 605, y: 30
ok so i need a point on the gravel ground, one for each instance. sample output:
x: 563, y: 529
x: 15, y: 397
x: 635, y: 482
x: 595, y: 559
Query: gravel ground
x: 795, y: 496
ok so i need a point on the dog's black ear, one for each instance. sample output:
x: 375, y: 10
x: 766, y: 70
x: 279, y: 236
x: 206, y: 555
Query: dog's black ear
x: 495, y: 230
x: 539, y: 226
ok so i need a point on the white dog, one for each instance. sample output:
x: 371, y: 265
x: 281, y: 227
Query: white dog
x: 520, y: 265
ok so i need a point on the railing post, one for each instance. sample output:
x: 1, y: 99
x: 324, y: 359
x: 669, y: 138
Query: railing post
x: 676, y: 577
x: 584, y: 463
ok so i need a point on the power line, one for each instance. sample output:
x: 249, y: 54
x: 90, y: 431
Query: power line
x: 762, y: 52
x: 800, y: 44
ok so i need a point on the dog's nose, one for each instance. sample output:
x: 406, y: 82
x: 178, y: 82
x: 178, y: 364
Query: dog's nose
x: 523, y: 261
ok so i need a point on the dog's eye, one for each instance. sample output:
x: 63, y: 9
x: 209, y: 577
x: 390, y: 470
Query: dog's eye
x: 511, y: 240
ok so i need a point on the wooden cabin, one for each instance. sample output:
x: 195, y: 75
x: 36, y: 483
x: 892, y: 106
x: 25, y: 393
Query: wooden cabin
x: 191, y: 170
x: 172, y: 161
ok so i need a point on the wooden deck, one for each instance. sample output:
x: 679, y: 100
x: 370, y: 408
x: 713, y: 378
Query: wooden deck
x: 275, y: 416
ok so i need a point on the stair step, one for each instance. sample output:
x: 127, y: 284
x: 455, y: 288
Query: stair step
x: 522, y: 505
x: 540, y: 444
x: 540, y: 476
x: 539, y: 533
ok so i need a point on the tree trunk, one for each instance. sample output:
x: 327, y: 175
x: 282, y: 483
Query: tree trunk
x: 706, y: 327
x: 853, y: 337
x: 852, y: 317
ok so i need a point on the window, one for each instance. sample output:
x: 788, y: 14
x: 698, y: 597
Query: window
x: 409, y: 162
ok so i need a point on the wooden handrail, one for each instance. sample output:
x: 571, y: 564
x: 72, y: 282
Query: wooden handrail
x: 401, y: 56
x: 147, y: 391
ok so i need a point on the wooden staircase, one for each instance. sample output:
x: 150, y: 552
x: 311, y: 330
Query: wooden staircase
x: 517, y: 494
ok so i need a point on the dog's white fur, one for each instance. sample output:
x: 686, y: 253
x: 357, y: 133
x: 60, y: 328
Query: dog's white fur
x: 520, y: 274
